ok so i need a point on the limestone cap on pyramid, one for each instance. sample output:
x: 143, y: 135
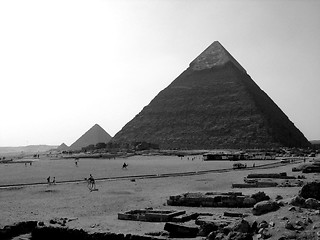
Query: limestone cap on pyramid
x: 215, y: 55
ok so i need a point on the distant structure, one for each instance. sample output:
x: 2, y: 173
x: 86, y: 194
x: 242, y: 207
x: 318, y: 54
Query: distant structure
x: 315, y: 144
x: 213, y: 104
x: 62, y: 147
x: 94, y: 135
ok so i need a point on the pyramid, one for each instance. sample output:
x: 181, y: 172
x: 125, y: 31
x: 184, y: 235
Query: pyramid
x: 63, y: 147
x: 213, y: 104
x: 94, y: 135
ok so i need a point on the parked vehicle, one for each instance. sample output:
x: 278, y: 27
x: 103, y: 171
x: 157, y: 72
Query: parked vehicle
x: 239, y: 165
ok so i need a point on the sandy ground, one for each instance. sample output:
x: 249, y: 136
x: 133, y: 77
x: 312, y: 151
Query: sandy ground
x: 97, y: 210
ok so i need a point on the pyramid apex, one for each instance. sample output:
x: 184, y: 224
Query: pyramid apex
x: 213, y: 56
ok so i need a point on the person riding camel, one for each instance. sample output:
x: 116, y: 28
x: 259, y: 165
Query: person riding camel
x: 124, y: 166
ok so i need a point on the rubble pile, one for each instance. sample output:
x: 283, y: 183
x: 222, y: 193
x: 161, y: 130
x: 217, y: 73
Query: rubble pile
x: 9, y: 232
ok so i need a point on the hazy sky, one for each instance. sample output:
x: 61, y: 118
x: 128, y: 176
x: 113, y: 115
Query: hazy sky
x: 66, y: 65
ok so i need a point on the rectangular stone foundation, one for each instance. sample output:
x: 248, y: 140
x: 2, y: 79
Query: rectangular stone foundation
x: 150, y: 215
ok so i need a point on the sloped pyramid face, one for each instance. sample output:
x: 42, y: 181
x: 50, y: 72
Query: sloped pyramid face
x: 94, y: 135
x: 62, y: 147
x: 212, y: 104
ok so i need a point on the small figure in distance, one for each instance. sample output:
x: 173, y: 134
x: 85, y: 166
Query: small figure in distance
x: 48, y: 180
x: 91, y: 183
x: 54, y: 180
x: 253, y: 165
x: 124, y: 166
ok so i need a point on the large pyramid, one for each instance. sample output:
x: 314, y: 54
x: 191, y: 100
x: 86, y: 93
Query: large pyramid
x: 94, y: 135
x: 213, y: 104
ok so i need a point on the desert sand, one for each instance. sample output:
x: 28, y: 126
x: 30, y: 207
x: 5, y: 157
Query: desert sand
x: 97, y: 210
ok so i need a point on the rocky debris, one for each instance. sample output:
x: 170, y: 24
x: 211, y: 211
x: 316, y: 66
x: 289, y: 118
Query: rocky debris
x: 249, y: 201
x: 289, y: 225
x: 264, y: 233
x: 9, y: 232
x: 262, y: 229
x: 214, y: 236
x: 207, y: 228
x: 310, y: 190
x: 297, y: 201
x: 264, y: 207
x: 260, y: 196
x: 239, y: 229
x: 288, y: 236
x: 61, y: 221
x: 263, y: 224
x: 281, y: 203
x: 316, y: 225
x: 298, y: 225
x: 180, y: 230
x: 221, y: 223
x: 312, y: 203
x: 242, y: 226
x: 292, y: 209
x: 53, y: 233
x: 239, y: 236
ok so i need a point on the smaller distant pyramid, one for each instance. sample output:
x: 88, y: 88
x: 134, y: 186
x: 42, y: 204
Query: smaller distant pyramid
x: 63, y: 147
x: 94, y: 135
